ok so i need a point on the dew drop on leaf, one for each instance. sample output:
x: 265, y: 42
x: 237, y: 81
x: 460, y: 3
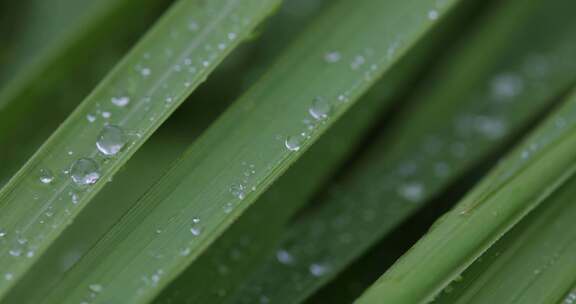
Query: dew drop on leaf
x: 320, y: 108
x: 85, y: 171
x: 284, y: 257
x: 46, y: 176
x: 90, y: 117
x: 293, y: 143
x: 195, y: 231
x: 15, y: 252
x: 121, y: 101
x: 8, y: 276
x: 111, y: 140
x: 412, y: 191
x: 317, y: 269
x: 95, y: 287
x: 332, y: 57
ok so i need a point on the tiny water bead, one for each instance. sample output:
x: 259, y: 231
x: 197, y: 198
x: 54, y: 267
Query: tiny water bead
x: 332, y: 57
x: 195, y: 230
x: 46, y: 176
x: 284, y: 257
x: 358, y: 61
x: 95, y: 287
x: 3, y: 233
x: 412, y: 191
x: 85, y: 171
x: 317, y: 269
x: 8, y: 276
x: 121, y: 101
x: 15, y: 252
x: 320, y: 108
x: 111, y: 140
x: 293, y: 143
x: 145, y: 72
x: 91, y: 117
x: 228, y: 207
x: 507, y: 85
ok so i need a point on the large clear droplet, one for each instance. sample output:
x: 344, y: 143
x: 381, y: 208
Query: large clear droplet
x: 293, y: 143
x: 46, y: 176
x: 111, y: 140
x: 320, y: 108
x: 85, y: 171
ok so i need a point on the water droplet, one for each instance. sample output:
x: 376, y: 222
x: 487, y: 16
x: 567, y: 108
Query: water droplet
x: 121, y: 101
x: 90, y: 117
x: 293, y: 143
x: 185, y: 251
x: 195, y: 231
x: 145, y: 72
x: 228, y: 207
x: 317, y: 269
x: 106, y: 114
x: 15, y: 252
x: 85, y: 171
x: 3, y: 233
x: 8, y: 276
x: 320, y: 108
x: 21, y: 240
x: 46, y: 176
x: 506, y: 85
x: 95, y: 287
x: 73, y: 197
x: 111, y: 140
x: 433, y: 15
x: 238, y: 191
x: 284, y: 257
x: 332, y: 57
x: 232, y: 35
x: 358, y: 61
x: 412, y: 191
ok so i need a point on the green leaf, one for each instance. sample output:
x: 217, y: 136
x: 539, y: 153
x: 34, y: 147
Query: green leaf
x: 528, y: 175
x: 54, y: 49
x: 209, y: 182
x: 533, y: 263
x: 174, y: 58
x: 420, y: 155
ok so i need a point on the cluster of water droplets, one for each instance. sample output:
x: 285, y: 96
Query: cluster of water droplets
x: 319, y: 110
x: 570, y: 298
x: 413, y: 176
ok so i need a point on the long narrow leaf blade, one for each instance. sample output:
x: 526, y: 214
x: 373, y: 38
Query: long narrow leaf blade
x: 533, y: 263
x: 536, y: 168
x: 138, y: 95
